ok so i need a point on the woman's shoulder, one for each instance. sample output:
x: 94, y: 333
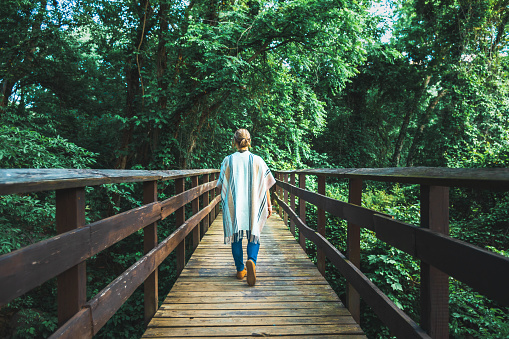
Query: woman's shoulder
x: 226, y: 160
x: 258, y: 159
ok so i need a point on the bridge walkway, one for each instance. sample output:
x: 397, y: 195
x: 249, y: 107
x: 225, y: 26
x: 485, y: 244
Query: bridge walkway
x: 290, y: 298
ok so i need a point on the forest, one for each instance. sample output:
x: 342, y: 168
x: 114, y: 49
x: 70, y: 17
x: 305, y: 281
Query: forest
x: 164, y: 84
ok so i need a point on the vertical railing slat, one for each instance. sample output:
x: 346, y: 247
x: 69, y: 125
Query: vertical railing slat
x: 320, y: 255
x: 435, y: 283
x: 180, y: 216
x: 285, y: 198
x: 292, y: 203
x: 206, y: 201
x: 354, y: 248
x: 218, y: 192
x: 195, y: 207
x: 302, y: 210
x: 279, y: 190
x: 71, y: 284
x: 150, y: 286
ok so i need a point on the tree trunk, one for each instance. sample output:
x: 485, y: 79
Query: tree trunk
x: 424, y: 122
x: 406, y: 120
x: 134, y: 64
x: 14, y: 75
x: 162, y: 65
x: 147, y: 149
x: 7, y: 87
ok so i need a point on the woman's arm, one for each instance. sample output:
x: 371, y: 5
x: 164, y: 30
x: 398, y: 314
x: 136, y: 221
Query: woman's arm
x: 269, y: 204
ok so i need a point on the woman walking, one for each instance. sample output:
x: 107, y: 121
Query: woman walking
x: 245, y: 181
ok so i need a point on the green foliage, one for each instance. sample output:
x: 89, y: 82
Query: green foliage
x: 31, y: 323
x: 397, y: 274
x: 20, y: 148
x: 163, y: 85
x: 475, y: 315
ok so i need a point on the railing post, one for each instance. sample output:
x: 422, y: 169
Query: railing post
x: 180, y: 216
x: 435, y: 283
x: 206, y: 201
x: 279, y: 191
x: 195, y: 204
x: 292, y: 203
x: 71, y: 284
x: 285, y: 198
x: 302, y: 210
x: 211, y: 197
x: 320, y: 255
x: 150, y: 286
x: 354, y: 249
x: 218, y: 192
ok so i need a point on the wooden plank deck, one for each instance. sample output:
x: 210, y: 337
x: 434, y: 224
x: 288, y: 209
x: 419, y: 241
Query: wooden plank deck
x: 290, y: 298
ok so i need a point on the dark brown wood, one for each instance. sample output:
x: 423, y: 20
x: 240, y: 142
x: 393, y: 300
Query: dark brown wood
x: 195, y: 205
x: 285, y: 198
x: 292, y: 203
x: 24, y: 269
x: 150, y: 287
x: 198, y: 306
x: 353, y: 251
x: 483, y: 270
x: 180, y: 217
x: 434, y: 283
x: 35, y: 180
x: 71, y: 284
x: 356, y: 214
x: 211, y: 197
x: 302, y: 209
x: 278, y: 192
x: 79, y: 326
x: 436, y: 251
x: 218, y: 192
x: 212, y: 216
x: 172, y: 204
x: 396, y: 233
x: 396, y: 320
x: 483, y: 178
x: 206, y: 200
x: 113, y: 296
x: 321, y: 221
x: 109, y: 231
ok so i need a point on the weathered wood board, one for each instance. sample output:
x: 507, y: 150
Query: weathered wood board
x: 290, y: 298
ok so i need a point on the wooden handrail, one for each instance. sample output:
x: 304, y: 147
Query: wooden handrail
x: 26, y: 268
x: 398, y: 322
x: 483, y: 270
x: 483, y: 178
x: 108, y: 301
x: 36, y: 180
x: 353, y: 213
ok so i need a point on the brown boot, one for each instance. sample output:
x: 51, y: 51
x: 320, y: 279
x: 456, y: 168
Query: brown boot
x: 241, y: 274
x: 251, y: 272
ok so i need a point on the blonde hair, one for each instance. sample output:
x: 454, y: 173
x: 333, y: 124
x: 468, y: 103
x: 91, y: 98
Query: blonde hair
x: 242, y: 138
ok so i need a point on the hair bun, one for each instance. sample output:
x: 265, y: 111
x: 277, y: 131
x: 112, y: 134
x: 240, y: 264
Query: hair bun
x: 242, y: 138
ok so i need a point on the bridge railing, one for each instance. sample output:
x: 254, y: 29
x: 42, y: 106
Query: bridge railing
x: 441, y: 256
x: 64, y: 256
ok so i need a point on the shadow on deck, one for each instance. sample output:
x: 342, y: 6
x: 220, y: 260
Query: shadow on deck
x: 290, y: 298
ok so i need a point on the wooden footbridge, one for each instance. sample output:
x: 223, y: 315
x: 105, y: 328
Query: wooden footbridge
x: 291, y: 298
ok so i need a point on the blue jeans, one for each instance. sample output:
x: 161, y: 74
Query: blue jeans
x: 252, y: 253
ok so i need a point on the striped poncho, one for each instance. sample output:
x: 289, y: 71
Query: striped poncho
x: 244, y: 181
